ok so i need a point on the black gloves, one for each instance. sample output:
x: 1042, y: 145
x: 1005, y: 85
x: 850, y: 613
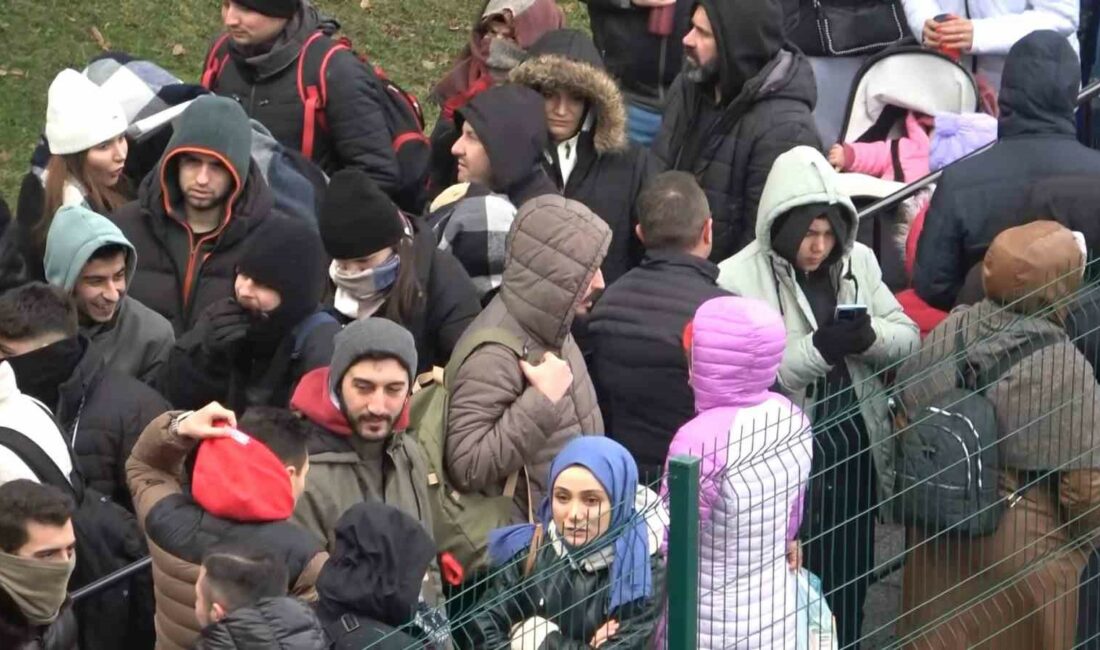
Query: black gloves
x: 224, y: 323
x: 842, y: 338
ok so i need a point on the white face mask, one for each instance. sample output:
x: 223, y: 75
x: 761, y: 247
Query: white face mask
x: 38, y: 587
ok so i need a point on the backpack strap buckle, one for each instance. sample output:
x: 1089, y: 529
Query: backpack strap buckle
x: 350, y: 623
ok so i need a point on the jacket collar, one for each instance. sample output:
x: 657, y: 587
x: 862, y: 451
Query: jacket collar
x: 673, y: 259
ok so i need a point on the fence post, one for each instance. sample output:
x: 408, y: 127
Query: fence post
x: 683, y: 552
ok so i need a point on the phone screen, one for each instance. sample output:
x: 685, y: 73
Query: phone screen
x: 850, y: 312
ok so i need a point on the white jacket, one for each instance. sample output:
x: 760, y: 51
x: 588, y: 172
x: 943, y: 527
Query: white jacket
x: 27, y: 416
x: 998, y: 24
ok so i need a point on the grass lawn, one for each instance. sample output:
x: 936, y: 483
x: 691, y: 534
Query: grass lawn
x: 413, y: 39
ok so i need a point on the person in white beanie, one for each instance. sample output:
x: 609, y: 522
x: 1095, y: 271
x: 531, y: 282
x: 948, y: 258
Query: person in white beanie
x: 85, y: 131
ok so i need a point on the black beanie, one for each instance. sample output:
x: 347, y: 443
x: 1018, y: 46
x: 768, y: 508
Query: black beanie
x: 357, y: 218
x: 285, y: 255
x: 790, y: 229
x: 273, y: 8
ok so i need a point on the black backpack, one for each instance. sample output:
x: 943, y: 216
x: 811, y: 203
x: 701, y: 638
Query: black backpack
x: 947, y: 458
x: 108, y: 539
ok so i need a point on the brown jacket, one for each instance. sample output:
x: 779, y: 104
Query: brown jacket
x: 179, y: 532
x: 497, y: 423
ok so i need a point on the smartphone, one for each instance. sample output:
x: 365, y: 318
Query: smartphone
x: 850, y: 312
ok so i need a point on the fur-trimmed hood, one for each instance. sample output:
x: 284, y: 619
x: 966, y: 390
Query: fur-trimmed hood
x: 566, y: 59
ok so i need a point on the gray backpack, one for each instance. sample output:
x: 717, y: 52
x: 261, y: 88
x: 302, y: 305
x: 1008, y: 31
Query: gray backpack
x: 947, y: 458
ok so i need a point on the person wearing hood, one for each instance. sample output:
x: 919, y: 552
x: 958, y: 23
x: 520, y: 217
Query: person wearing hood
x: 506, y: 414
x: 755, y: 452
x: 589, y: 571
x: 88, y: 257
x: 87, y: 149
x: 1047, y: 405
x: 243, y: 483
x: 980, y: 197
x: 251, y: 349
x: 99, y: 411
x: 356, y: 411
x: 742, y: 100
x: 241, y: 602
x: 503, y: 32
x: 368, y: 591
x: 259, y: 68
x: 588, y: 157
x: 500, y: 152
x: 385, y: 263
x: 194, y: 213
x: 984, y: 32
x: 37, y: 557
x: 805, y: 263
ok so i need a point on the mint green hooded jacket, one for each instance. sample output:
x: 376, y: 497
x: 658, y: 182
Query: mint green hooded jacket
x: 137, y: 340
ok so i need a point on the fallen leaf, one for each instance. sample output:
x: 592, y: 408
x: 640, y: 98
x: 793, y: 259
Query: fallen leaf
x: 5, y: 157
x: 97, y: 36
x: 365, y: 4
x: 178, y: 50
x: 456, y: 25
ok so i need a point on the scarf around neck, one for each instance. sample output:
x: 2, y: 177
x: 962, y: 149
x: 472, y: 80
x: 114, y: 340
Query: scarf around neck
x: 360, y: 295
x: 37, y: 587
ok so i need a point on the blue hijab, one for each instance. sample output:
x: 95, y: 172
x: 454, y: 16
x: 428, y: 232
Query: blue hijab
x: 614, y: 468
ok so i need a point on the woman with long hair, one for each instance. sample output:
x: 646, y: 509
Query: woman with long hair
x: 85, y: 131
x: 385, y: 263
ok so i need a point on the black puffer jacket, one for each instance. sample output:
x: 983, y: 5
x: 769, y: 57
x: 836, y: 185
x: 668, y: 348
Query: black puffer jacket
x: 270, y: 624
x: 102, y: 413
x: 767, y: 95
x: 979, y: 198
x: 266, y: 85
x: 609, y: 173
x: 162, y: 243
x: 571, y: 597
x: 639, y: 365
x: 645, y: 64
x: 449, y: 301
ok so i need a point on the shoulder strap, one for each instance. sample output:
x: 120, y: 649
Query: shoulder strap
x: 215, y: 61
x: 314, y: 91
x: 985, y: 378
x: 38, y: 461
x: 895, y: 160
x: 306, y: 327
x: 475, y: 340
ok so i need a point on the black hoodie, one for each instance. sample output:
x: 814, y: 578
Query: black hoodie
x: 374, y: 576
x: 767, y: 94
x: 980, y: 197
x: 511, y: 122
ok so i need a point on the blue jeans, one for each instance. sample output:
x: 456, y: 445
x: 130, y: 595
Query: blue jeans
x: 642, y: 124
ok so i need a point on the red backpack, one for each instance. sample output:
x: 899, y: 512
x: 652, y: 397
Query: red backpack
x: 401, y: 109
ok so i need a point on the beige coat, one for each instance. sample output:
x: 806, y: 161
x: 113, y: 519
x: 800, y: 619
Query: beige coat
x: 498, y: 423
x: 153, y: 473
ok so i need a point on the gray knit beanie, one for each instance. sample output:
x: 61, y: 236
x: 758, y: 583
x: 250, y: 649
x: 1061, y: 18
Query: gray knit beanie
x: 374, y: 336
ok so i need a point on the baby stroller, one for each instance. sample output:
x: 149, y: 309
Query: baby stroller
x: 889, y: 85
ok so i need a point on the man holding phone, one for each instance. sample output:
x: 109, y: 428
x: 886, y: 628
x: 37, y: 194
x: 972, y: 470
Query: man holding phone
x: 843, y: 327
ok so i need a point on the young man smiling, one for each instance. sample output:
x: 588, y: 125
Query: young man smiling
x: 88, y: 257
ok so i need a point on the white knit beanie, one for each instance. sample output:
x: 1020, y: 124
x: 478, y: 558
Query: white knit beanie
x: 80, y: 114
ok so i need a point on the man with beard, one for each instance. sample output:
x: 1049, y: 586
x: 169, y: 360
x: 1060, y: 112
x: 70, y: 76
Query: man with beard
x: 252, y: 348
x: 359, y: 448
x: 195, y: 213
x: 742, y: 100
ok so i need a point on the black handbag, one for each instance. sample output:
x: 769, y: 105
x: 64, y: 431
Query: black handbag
x: 850, y: 29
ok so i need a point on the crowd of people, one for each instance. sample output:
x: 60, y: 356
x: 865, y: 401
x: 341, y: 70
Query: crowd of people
x: 349, y: 384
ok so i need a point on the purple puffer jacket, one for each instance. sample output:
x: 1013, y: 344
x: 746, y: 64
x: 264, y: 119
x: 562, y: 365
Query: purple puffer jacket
x: 756, y: 449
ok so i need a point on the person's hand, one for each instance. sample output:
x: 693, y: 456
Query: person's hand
x: 842, y: 338
x: 653, y: 3
x: 225, y: 322
x: 211, y: 421
x: 604, y: 633
x: 836, y: 157
x: 957, y: 33
x: 552, y: 377
x: 794, y: 555
x: 930, y: 35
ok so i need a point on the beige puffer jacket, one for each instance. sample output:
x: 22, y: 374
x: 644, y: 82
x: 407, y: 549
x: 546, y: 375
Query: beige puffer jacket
x: 497, y: 423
